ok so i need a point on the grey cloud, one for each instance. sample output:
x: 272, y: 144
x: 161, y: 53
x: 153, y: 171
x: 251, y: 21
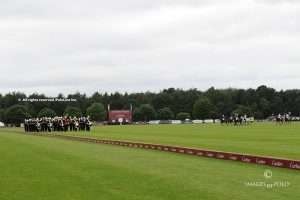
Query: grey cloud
x: 82, y: 8
x: 277, y: 1
x: 71, y: 46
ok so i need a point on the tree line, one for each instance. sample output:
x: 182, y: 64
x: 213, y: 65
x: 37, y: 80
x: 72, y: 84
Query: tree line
x: 169, y: 103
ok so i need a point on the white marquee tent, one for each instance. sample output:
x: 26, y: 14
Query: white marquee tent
x: 2, y: 124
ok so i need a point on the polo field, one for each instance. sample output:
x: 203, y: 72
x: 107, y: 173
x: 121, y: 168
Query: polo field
x: 35, y: 167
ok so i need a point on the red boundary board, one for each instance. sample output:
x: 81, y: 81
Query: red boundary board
x: 245, y: 158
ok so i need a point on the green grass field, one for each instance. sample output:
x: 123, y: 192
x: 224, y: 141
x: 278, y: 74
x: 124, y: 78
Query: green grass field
x: 259, y: 139
x: 34, y: 167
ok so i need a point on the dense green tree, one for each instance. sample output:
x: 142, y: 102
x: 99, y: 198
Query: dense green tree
x: 1, y: 115
x: 162, y: 100
x: 73, y: 111
x: 203, y: 109
x: 264, y: 107
x: 183, y: 116
x: 137, y: 115
x: 11, y: 99
x: 117, y: 101
x: 16, y: 114
x: 35, y: 106
x: 290, y: 100
x: 46, y: 112
x: 59, y: 107
x: 262, y: 102
x: 243, y: 110
x: 296, y: 108
x: 97, y: 112
x: 258, y: 115
x: 147, y: 112
x: 165, y: 114
x: 277, y: 105
x: 265, y: 92
x: 81, y: 101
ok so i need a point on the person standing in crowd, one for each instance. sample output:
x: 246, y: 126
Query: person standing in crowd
x: 88, y: 124
x: 55, y: 124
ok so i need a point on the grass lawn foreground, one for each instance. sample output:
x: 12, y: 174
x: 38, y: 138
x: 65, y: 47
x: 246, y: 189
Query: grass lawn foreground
x: 33, y: 167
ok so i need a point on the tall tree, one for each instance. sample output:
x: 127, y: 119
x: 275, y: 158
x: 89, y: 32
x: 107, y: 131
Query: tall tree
x: 73, y: 111
x: 203, y: 109
x: 262, y: 102
x: 1, y: 114
x: 165, y: 114
x: 243, y: 110
x: 183, y: 116
x: 46, y: 112
x: 138, y: 115
x: 148, y: 112
x: 97, y: 112
x: 16, y: 114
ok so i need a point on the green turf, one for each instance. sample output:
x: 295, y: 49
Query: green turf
x: 34, y: 168
x: 261, y: 138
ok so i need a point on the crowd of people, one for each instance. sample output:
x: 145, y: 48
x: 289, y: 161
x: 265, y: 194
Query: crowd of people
x: 48, y: 124
x: 236, y: 119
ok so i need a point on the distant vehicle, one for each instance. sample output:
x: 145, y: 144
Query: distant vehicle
x: 176, y: 122
x: 2, y: 124
x: 154, y: 122
x: 208, y: 121
x: 197, y: 121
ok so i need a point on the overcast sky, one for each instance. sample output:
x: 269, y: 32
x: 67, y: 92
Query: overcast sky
x: 52, y: 46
